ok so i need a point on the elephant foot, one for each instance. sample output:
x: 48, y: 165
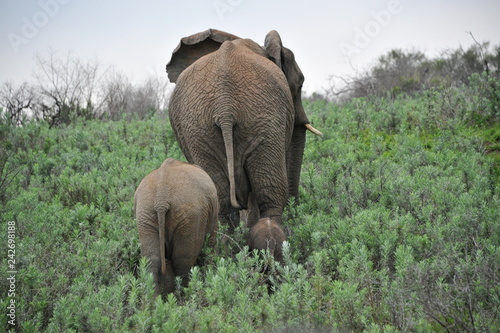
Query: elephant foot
x: 231, y: 218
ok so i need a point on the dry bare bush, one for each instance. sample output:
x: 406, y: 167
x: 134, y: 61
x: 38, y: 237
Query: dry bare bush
x: 412, y: 71
x: 120, y: 96
x: 19, y: 103
x: 67, y: 86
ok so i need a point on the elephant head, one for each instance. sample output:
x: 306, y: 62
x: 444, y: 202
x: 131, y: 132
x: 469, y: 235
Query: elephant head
x: 267, y: 234
x: 285, y: 59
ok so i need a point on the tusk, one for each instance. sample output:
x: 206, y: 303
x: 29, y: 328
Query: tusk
x: 313, y: 130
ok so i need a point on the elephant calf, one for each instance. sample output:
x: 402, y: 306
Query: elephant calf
x: 267, y: 234
x: 175, y: 206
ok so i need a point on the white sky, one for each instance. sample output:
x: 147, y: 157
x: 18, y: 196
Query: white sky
x: 138, y: 37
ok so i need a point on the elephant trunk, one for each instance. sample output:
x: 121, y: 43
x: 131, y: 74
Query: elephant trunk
x: 227, y: 135
x: 295, y: 154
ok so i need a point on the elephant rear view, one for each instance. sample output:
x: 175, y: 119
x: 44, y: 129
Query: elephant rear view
x: 175, y: 206
x: 237, y: 112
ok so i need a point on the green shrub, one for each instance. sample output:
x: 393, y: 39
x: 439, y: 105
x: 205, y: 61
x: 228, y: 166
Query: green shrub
x: 395, y: 228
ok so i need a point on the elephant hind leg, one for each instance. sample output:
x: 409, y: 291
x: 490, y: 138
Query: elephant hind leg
x: 229, y: 215
x: 185, y: 251
x: 155, y: 269
x: 164, y: 284
x: 150, y: 248
x: 268, y: 182
x: 181, y: 268
x: 168, y: 282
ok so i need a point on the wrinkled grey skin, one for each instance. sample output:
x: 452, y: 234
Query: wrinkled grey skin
x: 237, y: 112
x: 175, y: 206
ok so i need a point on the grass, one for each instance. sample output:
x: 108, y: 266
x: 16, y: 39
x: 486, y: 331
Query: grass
x: 396, y: 228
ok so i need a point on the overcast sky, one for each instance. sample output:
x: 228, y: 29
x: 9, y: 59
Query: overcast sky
x: 327, y: 37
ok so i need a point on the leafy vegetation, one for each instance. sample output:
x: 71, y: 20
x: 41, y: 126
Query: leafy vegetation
x: 408, y: 72
x: 396, y: 228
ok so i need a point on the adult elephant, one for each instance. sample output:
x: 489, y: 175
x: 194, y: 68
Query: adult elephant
x: 237, y: 112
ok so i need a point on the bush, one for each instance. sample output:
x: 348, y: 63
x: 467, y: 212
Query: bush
x: 395, y: 229
x: 410, y: 72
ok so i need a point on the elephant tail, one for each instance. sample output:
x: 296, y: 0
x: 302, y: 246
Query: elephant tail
x: 161, y: 230
x: 227, y: 135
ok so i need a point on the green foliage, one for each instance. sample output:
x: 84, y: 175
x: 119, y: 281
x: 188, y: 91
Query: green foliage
x: 411, y: 72
x: 396, y: 226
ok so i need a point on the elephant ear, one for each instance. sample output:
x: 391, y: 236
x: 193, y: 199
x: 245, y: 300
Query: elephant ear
x: 273, y: 47
x: 194, y: 47
x: 285, y: 59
